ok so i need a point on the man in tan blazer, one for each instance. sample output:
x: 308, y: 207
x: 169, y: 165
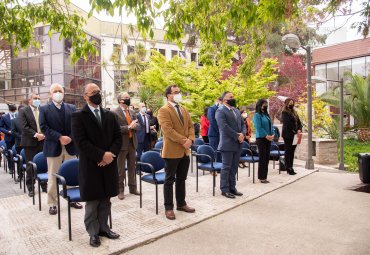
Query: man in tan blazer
x: 128, y: 124
x: 178, y: 136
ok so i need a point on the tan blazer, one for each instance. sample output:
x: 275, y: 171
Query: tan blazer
x: 121, y: 118
x: 174, y: 132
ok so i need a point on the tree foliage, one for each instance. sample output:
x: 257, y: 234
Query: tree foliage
x: 18, y: 21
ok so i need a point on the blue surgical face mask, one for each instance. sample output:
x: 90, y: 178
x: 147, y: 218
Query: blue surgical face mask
x: 36, y: 103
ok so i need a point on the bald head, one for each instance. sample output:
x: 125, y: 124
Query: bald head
x: 91, y: 87
x: 92, y: 94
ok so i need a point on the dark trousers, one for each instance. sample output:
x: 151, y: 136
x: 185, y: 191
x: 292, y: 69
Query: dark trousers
x: 18, y: 150
x: 96, y: 216
x: 230, y: 163
x: 30, y: 152
x: 176, y: 171
x: 127, y: 156
x: 264, y: 154
x: 289, y: 152
x: 213, y: 142
x: 144, y: 146
x: 205, y: 139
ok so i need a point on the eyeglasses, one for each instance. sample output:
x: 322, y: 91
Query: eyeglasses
x: 176, y: 92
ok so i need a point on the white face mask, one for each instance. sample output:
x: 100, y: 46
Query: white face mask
x: 244, y: 115
x: 58, y: 97
x: 36, y: 103
x: 177, y: 98
x: 143, y: 109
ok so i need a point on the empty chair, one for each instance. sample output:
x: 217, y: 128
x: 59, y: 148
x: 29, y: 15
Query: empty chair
x: 197, y: 142
x: 248, y: 156
x: 39, y: 169
x: 151, y: 163
x: 275, y: 153
x: 206, y: 157
x: 158, y: 146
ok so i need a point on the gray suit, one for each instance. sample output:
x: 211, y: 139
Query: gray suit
x: 128, y: 151
x: 230, y: 123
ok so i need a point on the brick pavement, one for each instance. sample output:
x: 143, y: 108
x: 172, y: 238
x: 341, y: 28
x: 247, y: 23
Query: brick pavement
x: 26, y: 230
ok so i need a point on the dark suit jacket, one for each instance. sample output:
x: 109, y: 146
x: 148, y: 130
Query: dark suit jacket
x: 122, y: 122
x: 141, y: 130
x: 289, y: 126
x: 29, y: 127
x: 213, y: 127
x: 51, y: 126
x: 92, y: 140
x: 17, y: 131
x: 229, y: 127
x: 5, y: 127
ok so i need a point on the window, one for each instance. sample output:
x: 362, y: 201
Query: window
x: 162, y: 51
x: 130, y: 49
x: 320, y: 70
x: 358, y: 66
x: 332, y: 73
x: 56, y: 44
x: 57, y: 63
x: 116, y: 52
x: 182, y: 54
x: 193, y: 57
x: 344, y: 66
x: 68, y: 67
x: 174, y: 53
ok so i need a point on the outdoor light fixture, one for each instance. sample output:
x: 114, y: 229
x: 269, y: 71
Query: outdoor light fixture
x: 292, y: 41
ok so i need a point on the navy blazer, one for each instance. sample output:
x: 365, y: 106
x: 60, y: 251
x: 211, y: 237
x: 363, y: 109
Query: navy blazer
x: 17, y: 131
x: 51, y: 126
x: 213, y: 127
x: 229, y: 126
x: 140, y: 133
x: 6, y: 126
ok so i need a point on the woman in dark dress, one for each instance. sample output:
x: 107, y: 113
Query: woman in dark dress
x: 292, y: 127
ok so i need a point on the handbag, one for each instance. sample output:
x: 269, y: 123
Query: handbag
x: 282, y: 166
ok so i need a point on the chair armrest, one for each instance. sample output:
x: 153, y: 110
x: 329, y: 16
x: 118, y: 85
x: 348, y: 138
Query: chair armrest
x: 148, y: 165
x: 249, y: 151
x: 205, y: 155
x: 274, y: 145
x: 63, y: 182
x: 33, y: 168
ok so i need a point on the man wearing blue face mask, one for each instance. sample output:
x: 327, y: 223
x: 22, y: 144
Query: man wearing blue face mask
x: 32, y: 138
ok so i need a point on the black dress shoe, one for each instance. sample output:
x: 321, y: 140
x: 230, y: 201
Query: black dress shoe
x: 291, y: 171
x: 228, y: 195
x: 95, y: 241
x: 76, y: 205
x: 110, y: 234
x: 236, y: 193
x: 30, y: 194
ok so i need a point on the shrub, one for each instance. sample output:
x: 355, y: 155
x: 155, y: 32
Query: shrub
x: 352, y: 148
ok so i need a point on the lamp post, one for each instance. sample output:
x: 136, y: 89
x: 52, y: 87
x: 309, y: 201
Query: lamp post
x: 292, y: 41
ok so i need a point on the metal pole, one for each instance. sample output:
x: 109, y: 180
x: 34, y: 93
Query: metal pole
x: 309, y: 162
x: 341, y: 125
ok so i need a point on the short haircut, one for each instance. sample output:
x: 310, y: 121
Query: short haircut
x: 120, y: 95
x: 52, y: 87
x: 224, y: 94
x: 169, y: 88
x: 31, y: 94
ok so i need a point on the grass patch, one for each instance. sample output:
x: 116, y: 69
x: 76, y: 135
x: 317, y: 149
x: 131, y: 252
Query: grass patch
x: 352, y: 148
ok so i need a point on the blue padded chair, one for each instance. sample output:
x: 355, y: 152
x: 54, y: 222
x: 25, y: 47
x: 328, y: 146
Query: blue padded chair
x: 197, y: 142
x: 2, y: 148
x: 22, y: 169
x: 206, y: 157
x: 150, y: 164
x: 160, y: 139
x: 247, y: 156
x: 68, y: 176
x: 11, y: 153
x: 275, y: 153
x: 39, y: 166
x: 3, y: 152
x: 158, y: 146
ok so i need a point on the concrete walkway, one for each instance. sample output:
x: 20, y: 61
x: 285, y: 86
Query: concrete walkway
x: 319, y: 214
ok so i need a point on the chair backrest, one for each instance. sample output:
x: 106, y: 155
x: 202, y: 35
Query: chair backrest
x: 14, y: 151
x: 40, y: 160
x: 207, y: 150
x: 70, y: 170
x: 158, y: 145
x: 245, y: 146
x: 153, y: 158
x: 3, y: 145
x: 198, y: 141
x: 160, y: 139
x: 23, y: 155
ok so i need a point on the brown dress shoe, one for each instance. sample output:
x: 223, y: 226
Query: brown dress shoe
x: 135, y: 192
x: 186, y: 208
x: 76, y: 205
x: 121, y: 196
x: 170, y: 214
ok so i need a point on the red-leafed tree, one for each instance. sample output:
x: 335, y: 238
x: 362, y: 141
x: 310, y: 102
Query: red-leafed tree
x: 291, y: 82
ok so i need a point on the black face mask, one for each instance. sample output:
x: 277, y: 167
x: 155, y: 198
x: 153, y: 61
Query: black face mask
x: 264, y: 108
x: 231, y: 102
x: 291, y: 107
x: 96, y: 99
x: 149, y: 113
x: 126, y: 101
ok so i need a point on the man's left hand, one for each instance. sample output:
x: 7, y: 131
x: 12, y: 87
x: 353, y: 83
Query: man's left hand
x: 187, y: 143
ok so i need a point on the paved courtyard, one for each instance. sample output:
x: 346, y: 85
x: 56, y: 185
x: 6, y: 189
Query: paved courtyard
x: 26, y: 230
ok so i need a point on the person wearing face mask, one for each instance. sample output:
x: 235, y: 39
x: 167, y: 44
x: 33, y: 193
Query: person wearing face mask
x: 143, y: 133
x: 127, y: 156
x: 6, y: 128
x: 32, y: 139
x: 178, y: 136
x: 213, y: 131
x: 232, y: 133
x: 97, y: 136
x: 264, y: 136
x: 248, y: 126
x: 154, y: 127
x: 55, y: 123
x: 292, y: 126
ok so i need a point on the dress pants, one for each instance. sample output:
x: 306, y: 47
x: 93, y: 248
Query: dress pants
x: 264, y: 155
x: 30, y: 152
x: 289, y: 152
x: 230, y: 164
x: 176, y: 171
x: 96, y: 216
x: 53, y: 168
x: 129, y: 156
x: 144, y: 146
x: 213, y: 142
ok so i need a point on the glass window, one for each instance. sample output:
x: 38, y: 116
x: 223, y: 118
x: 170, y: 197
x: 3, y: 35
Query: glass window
x: 367, y: 65
x: 96, y: 71
x: 57, y: 63
x: 332, y: 73
x: 193, y: 57
x: 45, y: 44
x: 320, y: 70
x: 56, y: 45
x: 57, y: 78
x: 34, y: 66
x: 358, y: 66
x: 80, y: 67
x: 182, y: 54
x: 130, y: 49
x: 344, y: 67
x: 174, y: 53
x: 162, y: 51
x: 68, y: 67
x: 67, y: 45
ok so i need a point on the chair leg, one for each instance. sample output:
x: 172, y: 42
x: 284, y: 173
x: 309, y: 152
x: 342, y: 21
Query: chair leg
x: 156, y: 198
x: 58, y: 200
x: 141, y: 195
x: 273, y: 164
x: 24, y: 180
x: 249, y: 169
x: 39, y: 195
x: 191, y: 161
x: 214, y: 182
x: 253, y: 172
x: 69, y: 221
x: 197, y: 180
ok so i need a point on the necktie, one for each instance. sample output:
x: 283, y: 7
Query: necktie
x: 97, y: 115
x: 145, y: 125
x: 37, y: 120
x: 179, y: 112
x: 128, y: 119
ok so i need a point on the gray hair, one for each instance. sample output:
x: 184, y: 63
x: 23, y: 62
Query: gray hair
x: 54, y: 85
x: 31, y: 94
x: 120, y: 95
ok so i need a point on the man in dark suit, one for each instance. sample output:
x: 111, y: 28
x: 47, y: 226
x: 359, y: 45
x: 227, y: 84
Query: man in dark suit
x: 232, y: 133
x: 97, y: 136
x: 32, y: 138
x: 178, y: 136
x: 143, y: 132
x: 55, y: 124
x: 128, y: 125
x: 17, y: 133
x: 213, y: 131
x: 6, y: 128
